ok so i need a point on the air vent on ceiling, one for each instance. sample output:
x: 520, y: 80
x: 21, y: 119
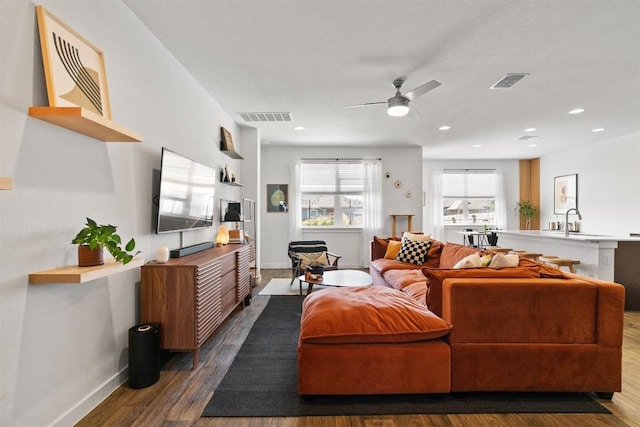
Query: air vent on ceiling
x: 525, y: 137
x: 266, y: 117
x: 509, y: 80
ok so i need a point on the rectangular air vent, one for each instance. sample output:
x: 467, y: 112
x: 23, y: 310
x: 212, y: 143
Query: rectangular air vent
x: 526, y: 137
x: 509, y: 80
x: 266, y: 117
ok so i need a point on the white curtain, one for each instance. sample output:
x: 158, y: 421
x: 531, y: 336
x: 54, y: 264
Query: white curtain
x: 371, y: 206
x: 295, y: 213
x: 501, y: 202
x: 436, y: 205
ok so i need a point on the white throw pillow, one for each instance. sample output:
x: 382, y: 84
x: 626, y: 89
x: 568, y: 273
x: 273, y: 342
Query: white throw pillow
x: 504, y: 261
x: 471, y: 261
x: 416, y: 237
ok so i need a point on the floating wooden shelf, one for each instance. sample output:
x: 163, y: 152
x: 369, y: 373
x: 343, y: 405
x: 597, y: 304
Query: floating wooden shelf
x: 6, y: 183
x: 233, y: 184
x: 75, y: 274
x: 232, y: 154
x: 86, y: 123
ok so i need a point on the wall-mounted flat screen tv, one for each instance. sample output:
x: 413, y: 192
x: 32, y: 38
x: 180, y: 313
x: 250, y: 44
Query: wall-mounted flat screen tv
x: 186, y: 194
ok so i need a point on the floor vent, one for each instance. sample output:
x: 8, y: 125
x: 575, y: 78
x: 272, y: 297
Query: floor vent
x: 509, y: 80
x: 266, y: 117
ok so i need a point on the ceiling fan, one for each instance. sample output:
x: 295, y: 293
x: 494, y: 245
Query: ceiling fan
x: 398, y: 105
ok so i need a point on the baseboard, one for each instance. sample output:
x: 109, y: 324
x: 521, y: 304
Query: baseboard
x: 93, y: 399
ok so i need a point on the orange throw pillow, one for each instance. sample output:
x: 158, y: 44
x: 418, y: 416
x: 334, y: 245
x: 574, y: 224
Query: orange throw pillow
x: 393, y: 247
x: 372, y: 314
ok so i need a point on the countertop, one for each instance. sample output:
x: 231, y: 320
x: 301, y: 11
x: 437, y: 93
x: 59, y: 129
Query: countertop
x: 572, y: 236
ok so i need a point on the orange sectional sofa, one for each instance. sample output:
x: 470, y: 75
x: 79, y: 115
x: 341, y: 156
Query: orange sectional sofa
x: 429, y: 328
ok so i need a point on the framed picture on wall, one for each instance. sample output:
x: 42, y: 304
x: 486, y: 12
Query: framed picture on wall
x: 227, y: 141
x: 73, y: 67
x: 565, y: 193
x: 277, y: 198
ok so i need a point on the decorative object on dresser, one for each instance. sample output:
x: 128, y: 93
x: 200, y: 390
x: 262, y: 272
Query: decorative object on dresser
x: 93, y: 238
x: 191, y: 296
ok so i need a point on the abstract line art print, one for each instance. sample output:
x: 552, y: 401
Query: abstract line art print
x: 74, y: 68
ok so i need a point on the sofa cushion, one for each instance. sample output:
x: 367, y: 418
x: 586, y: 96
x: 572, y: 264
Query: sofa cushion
x: 545, y: 270
x: 392, y: 249
x: 452, y: 253
x: 435, y: 277
x: 417, y: 291
x: 413, y: 251
x: 398, y: 279
x: 379, y: 247
x: 372, y: 314
x: 383, y: 265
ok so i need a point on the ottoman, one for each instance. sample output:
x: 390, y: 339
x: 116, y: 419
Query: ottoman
x: 371, y: 340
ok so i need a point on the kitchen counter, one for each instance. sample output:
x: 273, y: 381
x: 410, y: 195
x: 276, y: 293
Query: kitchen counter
x: 606, y: 257
x: 552, y: 234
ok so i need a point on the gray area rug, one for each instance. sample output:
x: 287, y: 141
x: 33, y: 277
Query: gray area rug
x: 262, y: 381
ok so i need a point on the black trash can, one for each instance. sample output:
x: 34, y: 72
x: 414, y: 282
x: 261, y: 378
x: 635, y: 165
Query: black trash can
x: 144, y: 355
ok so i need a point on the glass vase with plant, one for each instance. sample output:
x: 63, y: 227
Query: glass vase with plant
x: 528, y: 211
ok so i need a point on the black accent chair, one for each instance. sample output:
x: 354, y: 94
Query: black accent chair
x: 313, y: 253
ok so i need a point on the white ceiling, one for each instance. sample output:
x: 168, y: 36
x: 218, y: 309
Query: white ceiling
x: 312, y: 57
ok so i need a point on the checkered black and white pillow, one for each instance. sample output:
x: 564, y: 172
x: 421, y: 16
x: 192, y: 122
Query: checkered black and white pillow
x: 413, y: 251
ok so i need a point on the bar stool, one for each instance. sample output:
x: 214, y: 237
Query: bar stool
x: 560, y: 262
x: 529, y: 255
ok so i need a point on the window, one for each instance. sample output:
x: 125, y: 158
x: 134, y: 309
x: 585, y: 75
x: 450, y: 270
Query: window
x: 469, y: 197
x: 331, y: 193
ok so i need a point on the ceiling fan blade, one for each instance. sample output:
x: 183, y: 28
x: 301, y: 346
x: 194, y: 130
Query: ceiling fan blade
x: 368, y: 104
x: 421, y: 90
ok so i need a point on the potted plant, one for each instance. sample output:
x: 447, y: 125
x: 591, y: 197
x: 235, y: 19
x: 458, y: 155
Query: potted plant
x: 528, y: 211
x: 93, y: 238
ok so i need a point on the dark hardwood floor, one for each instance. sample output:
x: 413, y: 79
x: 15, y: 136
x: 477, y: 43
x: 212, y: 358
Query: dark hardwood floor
x: 180, y: 395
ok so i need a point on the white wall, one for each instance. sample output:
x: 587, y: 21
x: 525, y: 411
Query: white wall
x: 508, y: 168
x: 403, y: 163
x: 64, y: 347
x: 608, y: 185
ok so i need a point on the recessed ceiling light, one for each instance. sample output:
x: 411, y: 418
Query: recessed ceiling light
x: 444, y: 127
x: 577, y: 111
x: 477, y: 145
x: 533, y: 145
x: 597, y: 130
x: 298, y: 128
x: 530, y: 130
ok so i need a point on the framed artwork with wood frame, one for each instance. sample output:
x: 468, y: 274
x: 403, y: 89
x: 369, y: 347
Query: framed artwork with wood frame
x: 73, y: 67
x: 226, y: 140
x: 277, y: 198
x: 565, y: 193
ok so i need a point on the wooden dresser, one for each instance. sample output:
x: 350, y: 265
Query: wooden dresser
x: 191, y: 296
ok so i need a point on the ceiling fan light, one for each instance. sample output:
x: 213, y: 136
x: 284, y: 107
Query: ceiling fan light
x: 398, y: 106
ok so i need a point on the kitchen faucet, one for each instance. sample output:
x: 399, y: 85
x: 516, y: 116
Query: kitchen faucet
x: 566, y: 220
